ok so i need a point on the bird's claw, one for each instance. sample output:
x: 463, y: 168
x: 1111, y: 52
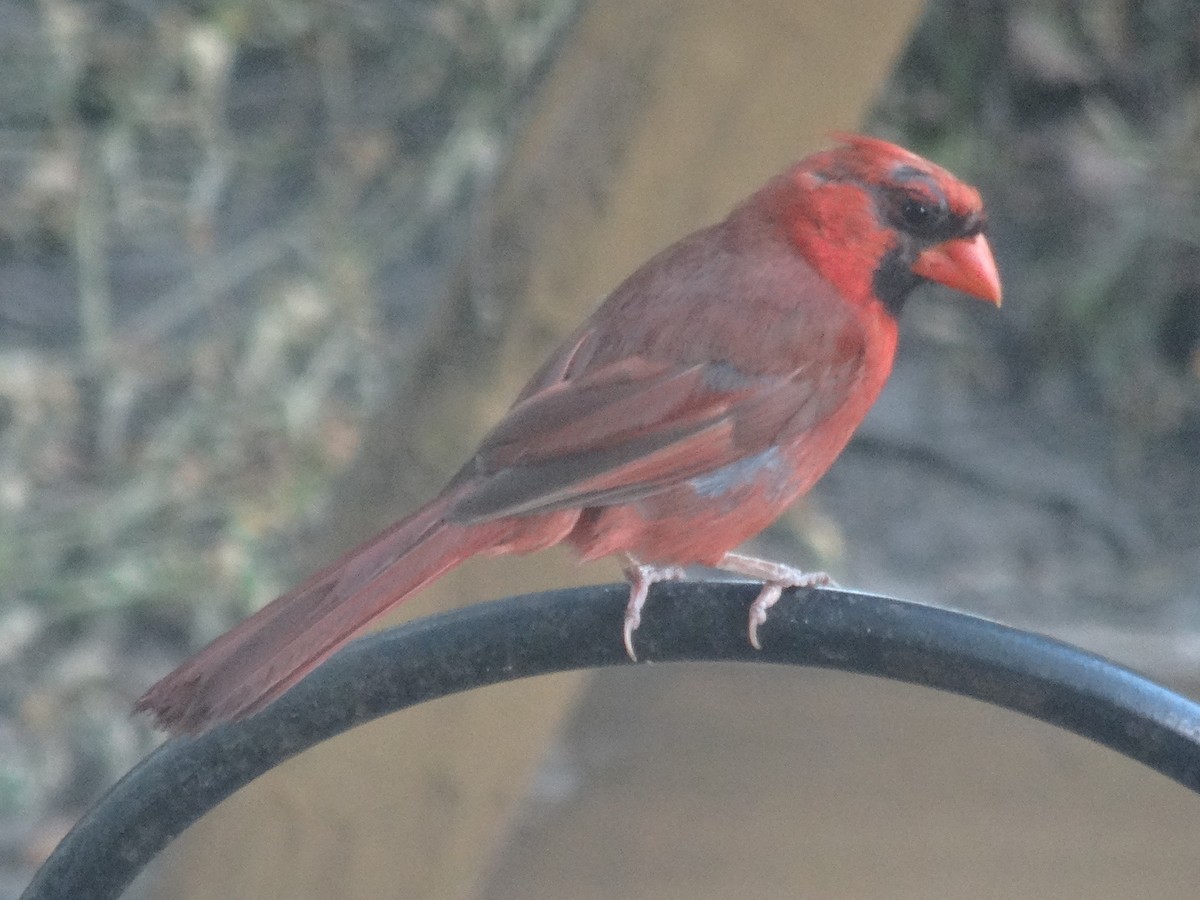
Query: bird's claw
x: 771, y: 593
x: 641, y: 576
x: 775, y: 577
x: 766, y: 598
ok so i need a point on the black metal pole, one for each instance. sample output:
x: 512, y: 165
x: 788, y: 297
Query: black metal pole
x: 577, y: 629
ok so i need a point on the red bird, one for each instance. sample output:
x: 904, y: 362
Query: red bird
x: 707, y: 392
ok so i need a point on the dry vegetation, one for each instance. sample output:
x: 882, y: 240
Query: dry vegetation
x: 224, y: 223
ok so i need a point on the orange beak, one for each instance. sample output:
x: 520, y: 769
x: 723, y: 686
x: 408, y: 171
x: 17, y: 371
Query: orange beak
x: 964, y: 264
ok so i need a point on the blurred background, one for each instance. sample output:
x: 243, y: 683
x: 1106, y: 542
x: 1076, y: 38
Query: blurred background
x: 268, y: 268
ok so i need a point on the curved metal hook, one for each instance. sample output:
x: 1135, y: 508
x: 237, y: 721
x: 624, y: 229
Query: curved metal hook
x: 580, y: 628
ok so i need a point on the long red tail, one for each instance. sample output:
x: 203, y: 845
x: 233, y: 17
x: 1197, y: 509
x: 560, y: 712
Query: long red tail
x: 249, y: 666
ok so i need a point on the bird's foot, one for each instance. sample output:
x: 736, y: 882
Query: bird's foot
x: 775, y: 577
x: 641, y: 576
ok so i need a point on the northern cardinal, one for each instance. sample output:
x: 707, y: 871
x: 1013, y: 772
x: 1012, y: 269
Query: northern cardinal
x: 711, y: 389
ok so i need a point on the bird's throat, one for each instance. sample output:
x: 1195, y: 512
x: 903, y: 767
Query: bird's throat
x: 894, y: 281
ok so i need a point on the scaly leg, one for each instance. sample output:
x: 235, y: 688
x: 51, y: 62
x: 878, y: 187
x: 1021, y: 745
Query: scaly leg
x: 776, y: 577
x: 641, y: 576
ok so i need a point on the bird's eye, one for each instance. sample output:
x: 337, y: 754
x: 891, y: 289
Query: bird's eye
x: 923, y: 217
x: 916, y: 214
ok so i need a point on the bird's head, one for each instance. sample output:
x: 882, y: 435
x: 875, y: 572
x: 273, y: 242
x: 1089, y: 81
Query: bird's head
x: 876, y: 220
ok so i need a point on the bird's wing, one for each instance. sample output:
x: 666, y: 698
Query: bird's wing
x: 628, y: 429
